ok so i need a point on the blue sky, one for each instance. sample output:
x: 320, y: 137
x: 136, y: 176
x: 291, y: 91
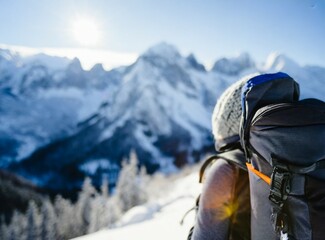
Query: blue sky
x: 209, y: 29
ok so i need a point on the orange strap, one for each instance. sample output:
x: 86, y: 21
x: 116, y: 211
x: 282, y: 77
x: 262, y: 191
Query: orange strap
x: 259, y: 174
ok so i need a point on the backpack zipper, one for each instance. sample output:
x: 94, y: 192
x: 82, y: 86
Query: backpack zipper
x: 270, y: 109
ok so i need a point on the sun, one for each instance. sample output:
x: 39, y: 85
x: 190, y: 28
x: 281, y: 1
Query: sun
x: 86, y: 31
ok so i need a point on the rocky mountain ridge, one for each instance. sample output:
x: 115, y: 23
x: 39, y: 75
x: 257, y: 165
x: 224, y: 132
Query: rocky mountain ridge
x: 57, y: 119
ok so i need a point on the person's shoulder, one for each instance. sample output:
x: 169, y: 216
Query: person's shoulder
x: 222, y: 166
x: 221, y: 170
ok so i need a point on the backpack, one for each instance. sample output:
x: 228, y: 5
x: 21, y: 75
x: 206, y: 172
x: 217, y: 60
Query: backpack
x: 284, y: 142
x: 239, y: 228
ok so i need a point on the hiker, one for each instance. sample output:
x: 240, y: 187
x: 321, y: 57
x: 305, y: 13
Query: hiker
x: 226, y: 184
x: 283, y: 141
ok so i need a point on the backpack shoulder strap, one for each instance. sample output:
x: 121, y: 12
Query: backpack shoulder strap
x: 235, y: 157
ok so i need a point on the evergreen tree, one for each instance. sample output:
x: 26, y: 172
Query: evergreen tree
x: 99, y: 216
x: 114, y: 211
x: 49, y: 230
x: 129, y: 189
x: 84, y: 206
x: 33, y: 222
x: 18, y: 225
x: 96, y: 215
x: 66, y: 224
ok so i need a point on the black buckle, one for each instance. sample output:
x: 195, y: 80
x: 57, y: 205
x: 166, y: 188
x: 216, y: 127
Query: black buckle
x: 279, y: 190
x: 280, y: 186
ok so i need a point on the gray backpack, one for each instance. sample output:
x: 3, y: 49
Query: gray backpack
x: 284, y: 142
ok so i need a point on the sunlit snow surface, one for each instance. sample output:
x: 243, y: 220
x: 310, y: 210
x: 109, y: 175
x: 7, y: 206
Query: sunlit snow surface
x: 157, y: 220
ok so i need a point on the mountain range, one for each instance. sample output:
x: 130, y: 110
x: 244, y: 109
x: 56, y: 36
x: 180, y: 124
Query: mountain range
x: 60, y: 123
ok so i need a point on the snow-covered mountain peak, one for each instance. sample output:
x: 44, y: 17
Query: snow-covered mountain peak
x: 162, y: 50
x: 279, y: 62
x: 97, y: 68
x: 75, y: 65
x: 234, y: 65
x: 191, y: 59
x: 52, y: 63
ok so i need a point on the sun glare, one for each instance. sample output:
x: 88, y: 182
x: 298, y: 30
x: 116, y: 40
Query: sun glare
x: 86, y: 31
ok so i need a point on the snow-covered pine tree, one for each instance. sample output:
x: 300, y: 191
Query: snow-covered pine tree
x: 105, y: 211
x: 112, y: 212
x: 84, y: 206
x: 95, y: 215
x: 33, y: 222
x: 65, y: 212
x: 99, y: 216
x: 112, y: 207
x: 18, y: 225
x: 49, y: 230
x: 129, y: 189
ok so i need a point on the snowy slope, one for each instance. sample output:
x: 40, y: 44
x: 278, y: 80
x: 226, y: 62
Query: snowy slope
x: 159, y: 220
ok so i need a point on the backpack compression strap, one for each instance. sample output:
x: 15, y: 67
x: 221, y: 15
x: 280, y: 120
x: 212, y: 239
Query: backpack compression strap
x: 291, y: 168
x: 258, y: 173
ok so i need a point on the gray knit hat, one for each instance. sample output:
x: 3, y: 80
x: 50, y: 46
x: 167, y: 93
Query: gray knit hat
x: 226, y: 115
